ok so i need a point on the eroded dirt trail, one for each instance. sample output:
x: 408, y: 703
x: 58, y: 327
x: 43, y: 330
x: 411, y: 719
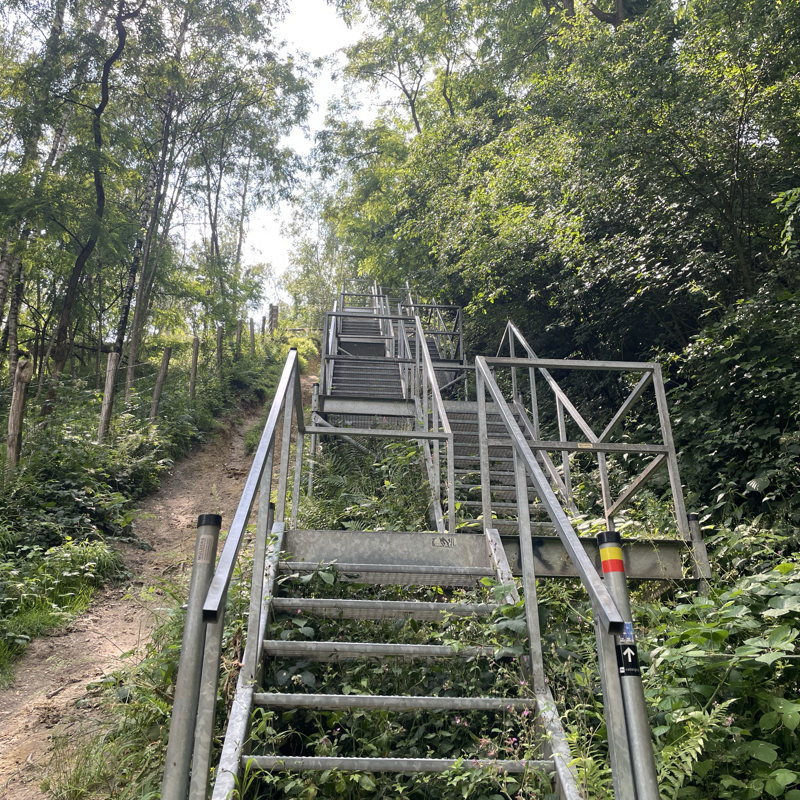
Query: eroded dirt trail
x: 49, y: 696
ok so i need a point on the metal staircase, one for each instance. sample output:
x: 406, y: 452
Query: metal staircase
x: 500, y: 508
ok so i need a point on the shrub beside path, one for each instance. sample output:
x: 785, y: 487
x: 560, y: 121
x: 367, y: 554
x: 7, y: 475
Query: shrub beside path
x: 52, y: 695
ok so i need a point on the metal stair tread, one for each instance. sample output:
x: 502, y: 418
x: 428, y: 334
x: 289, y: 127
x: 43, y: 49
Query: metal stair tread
x: 380, y: 609
x: 341, y: 651
x: 384, y: 702
x: 401, y: 765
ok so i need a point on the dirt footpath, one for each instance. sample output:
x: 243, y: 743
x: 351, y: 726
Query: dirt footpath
x: 49, y: 695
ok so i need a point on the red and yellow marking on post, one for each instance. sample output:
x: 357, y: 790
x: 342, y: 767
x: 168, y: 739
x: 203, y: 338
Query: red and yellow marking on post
x: 611, y: 552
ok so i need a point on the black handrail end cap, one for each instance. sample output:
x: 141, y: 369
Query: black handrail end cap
x: 215, y: 520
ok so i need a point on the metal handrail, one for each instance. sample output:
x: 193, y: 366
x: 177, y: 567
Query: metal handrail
x: 290, y: 378
x: 604, y: 605
x: 429, y: 382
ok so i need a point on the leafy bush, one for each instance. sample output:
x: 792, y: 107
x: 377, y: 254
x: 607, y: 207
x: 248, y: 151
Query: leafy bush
x: 42, y: 588
x: 72, y: 492
x: 737, y: 409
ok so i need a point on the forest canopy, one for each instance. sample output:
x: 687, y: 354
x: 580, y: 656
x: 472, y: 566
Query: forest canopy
x: 136, y: 138
x: 620, y: 179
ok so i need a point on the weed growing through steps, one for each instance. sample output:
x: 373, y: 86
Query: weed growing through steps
x: 354, y: 490
x: 462, y: 735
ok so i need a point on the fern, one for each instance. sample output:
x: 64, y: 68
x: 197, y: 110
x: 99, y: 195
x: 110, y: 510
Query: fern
x: 679, y: 756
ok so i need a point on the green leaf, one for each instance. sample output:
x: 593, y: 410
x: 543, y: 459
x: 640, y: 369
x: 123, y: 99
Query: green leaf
x: 791, y: 720
x: 365, y: 782
x: 784, y: 776
x: 768, y: 720
x: 763, y: 751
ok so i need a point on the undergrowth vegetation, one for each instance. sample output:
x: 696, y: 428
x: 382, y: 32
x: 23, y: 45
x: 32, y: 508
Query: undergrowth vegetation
x: 720, y: 672
x: 71, y: 497
x: 359, y: 490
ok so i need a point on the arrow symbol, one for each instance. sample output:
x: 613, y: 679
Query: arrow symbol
x: 629, y: 653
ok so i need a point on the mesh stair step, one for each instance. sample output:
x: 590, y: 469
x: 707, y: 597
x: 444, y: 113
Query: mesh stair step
x: 378, y: 702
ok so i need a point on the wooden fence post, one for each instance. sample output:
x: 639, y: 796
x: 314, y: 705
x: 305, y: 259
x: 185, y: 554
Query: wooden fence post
x: 193, y: 378
x: 22, y: 377
x: 162, y: 376
x: 252, y: 337
x: 273, y: 317
x: 108, y: 396
x: 219, y: 349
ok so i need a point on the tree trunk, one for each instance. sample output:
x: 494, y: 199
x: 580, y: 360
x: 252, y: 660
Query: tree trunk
x: 162, y: 377
x: 17, y: 293
x: 71, y: 293
x: 108, y: 396
x: 16, y: 415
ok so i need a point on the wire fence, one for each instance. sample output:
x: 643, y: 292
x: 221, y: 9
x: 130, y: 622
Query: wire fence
x: 70, y: 406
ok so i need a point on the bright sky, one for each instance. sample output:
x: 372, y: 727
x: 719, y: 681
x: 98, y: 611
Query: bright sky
x: 312, y: 27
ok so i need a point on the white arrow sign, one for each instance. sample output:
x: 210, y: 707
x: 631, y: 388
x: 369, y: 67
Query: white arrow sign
x: 629, y: 653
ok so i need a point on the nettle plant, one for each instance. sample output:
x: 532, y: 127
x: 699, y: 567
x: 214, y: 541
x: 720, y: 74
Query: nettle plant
x: 725, y: 681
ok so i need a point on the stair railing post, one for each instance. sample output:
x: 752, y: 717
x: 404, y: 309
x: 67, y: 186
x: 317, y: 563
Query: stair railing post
x: 312, y: 442
x: 562, y: 436
x: 529, y: 575
x: 514, y: 392
x: 437, y: 448
x: 702, y: 567
x: 672, y: 460
x: 187, y: 686
x: 630, y: 677
x: 286, y: 442
x: 483, y: 452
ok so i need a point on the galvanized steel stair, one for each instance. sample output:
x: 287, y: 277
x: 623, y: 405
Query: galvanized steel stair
x: 421, y: 757
x: 463, y: 418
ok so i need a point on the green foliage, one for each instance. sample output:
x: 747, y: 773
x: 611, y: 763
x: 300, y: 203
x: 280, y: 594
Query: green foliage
x: 737, y: 409
x: 723, y: 679
x: 73, y: 496
x: 361, y: 491
x: 40, y: 589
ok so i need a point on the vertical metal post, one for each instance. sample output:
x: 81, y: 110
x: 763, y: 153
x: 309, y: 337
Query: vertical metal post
x: 562, y: 435
x: 312, y: 442
x: 298, y: 472
x: 614, y: 712
x: 702, y: 567
x: 630, y: 676
x: 535, y: 404
x: 323, y: 358
x: 460, y: 336
x: 529, y: 575
x: 672, y: 460
x: 286, y: 441
x: 451, y: 486
x: 207, y: 707
x: 437, y: 448
x: 187, y: 686
x: 483, y: 449
x: 515, y: 398
x: 605, y: 488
